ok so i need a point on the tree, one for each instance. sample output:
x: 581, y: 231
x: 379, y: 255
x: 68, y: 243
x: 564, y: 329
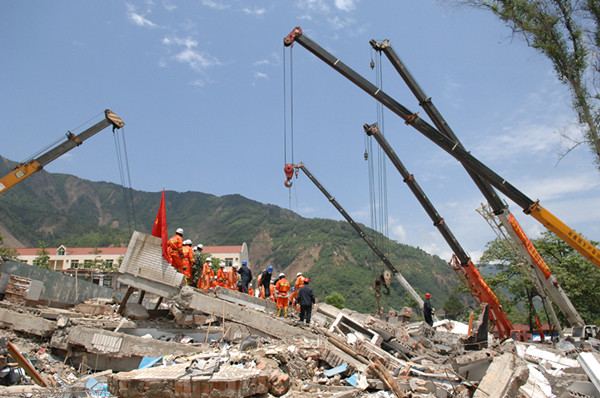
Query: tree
x: 453, y: 307
x: 6, y: 252
x: 335, y: 299
x: 43, y: 259
x: 568, y: 33
x: 578, y: 277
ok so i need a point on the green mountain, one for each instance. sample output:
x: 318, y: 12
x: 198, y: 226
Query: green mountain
x: 63, y: 209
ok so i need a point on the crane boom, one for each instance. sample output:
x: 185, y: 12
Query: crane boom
x: 542, y: 276
x: 454, y: 148
x: 364, y: 236
x: 26, y: 169
x: 461, y: 263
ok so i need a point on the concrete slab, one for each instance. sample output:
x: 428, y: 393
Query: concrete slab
x: 590, y: 362
x: 193, y: 299
x: 27, y: 323
x: 144, y: 267
x: 505, y: 375
x: 175, y: 381
x: 110, y: 350
x: 256, y: 303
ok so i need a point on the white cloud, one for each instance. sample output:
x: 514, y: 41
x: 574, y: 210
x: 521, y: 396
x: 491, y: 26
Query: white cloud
x: 197, y: 60
x: 216, y: 5
x: 138, y: 19
x: 316, y: 6
x: 261, y: 62
x: 259, y: 75
x: 254, y: 11
x: 198, y: 83
x: 345, y: 5
x: 397, y: 230
x: 169, y: 6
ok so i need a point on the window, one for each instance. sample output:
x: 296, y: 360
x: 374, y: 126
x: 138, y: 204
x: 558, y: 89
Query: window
x: 228, y: 262
x: 74, y: 264
x: 107, y: 281
x: 109, y: 263
x: 61, y: 251
x: 87, y: 263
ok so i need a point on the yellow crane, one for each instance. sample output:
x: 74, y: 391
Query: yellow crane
x: 30, y: 167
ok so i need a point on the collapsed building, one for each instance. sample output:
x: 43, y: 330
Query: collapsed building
x: 164, y: 339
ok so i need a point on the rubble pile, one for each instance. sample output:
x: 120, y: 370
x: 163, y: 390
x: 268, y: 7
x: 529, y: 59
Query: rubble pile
x: 222, y: 344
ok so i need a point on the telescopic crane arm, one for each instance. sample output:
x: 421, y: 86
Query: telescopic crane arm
x: 26, y: 169
x: 462, y: 264
x: 454, y: 148
x: 542, y: 274
x: 364, y: 236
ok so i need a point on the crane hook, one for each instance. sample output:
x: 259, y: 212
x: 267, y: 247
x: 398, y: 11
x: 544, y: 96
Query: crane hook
x: 289, y: 173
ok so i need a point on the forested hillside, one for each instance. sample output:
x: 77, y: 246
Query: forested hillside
x: 63, y: 209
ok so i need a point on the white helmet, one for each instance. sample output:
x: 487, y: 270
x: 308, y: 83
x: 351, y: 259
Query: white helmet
x: 298, y: 274
x: 179, y: 231
x: 187, y: 242
x: 209, y: 260
x: 200, y: 246
x: 281, y: 275
x: 221, y: 264
x: 236, y: 266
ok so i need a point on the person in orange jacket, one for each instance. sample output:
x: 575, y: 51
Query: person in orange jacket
x: 232, y: 277
x: 174, y: 249
x: 282, y: 287
x: 187, y: 254
x: 250, y: 290
x: 221, y: 275
x: 206, y: 275
x: 272, y: 291
x: 297, y: 285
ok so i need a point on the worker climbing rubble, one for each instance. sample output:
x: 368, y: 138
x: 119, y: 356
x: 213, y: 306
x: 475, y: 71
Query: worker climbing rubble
x: 198, y: 261
x: 187, y: 255
x: 282, y: 288
x: 245, y: 276
x: 175, y: 246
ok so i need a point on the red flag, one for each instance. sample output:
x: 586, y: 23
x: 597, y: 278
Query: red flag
x: 159, y: 229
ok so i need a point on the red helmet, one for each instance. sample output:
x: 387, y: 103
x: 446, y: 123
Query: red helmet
x: 306, y: 280
x: 427, y: 295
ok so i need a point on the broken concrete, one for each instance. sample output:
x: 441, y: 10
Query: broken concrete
x: 26, y: 323
x: 503, y: 378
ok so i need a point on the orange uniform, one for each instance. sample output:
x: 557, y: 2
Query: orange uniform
x: 207, y: 275
x: 175, y: 246
x: 272, y: 292
x: 294, y: 296
x: 232, y: 278
x: 187, y: 261
x: 283, y: 287
x: 251, y: 291
x: 221, y: 277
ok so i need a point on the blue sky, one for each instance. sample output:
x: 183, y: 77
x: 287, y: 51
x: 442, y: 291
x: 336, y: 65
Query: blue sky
x: 200, y: 86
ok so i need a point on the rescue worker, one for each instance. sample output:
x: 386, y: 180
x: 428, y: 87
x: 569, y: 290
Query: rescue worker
x: 221, y: 275
x: 174, y: 246
x: 428, y: 309
x: 282, y: 287
x: 306, y: 299
x: 250, y: 290
x: 246, y: 276
x: 187, y: 254
x: 206, y: 275
x: 198, y: 261
x: 261, y: 288
x: 297, y: 285
x: 233, y: 276
x: 272, y: 295
x: 265, y: 281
